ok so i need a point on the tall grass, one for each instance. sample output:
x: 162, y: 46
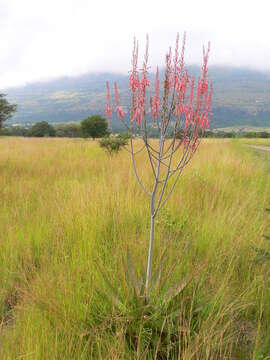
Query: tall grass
x: 66, y: 206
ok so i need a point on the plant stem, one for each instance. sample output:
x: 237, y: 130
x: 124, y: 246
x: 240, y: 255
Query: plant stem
x: 152, y: 221
x: 150, y: 253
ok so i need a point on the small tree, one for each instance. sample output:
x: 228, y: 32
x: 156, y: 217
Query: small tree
x: 6, y: 109
x: 179, y: 115
x: 94, y: 126
x: 113, y: 144
x: 42, y: 129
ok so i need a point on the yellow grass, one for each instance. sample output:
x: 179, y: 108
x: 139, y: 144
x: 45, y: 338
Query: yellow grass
x: 65, y: 204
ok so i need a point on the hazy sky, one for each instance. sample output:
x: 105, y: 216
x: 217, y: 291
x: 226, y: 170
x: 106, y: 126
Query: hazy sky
x: 44, y: 39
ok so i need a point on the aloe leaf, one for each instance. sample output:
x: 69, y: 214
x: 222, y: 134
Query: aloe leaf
x: 263, y: 253
x: 113, y: 291
x: 156, y: 277
x: 142, y: 288
x: 132, y: 274
x: 164, y: 279
x: 172, y: 293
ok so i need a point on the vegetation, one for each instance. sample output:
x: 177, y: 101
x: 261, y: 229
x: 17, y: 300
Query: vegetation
x: 68, y: 130
x: 94, y: 126
x: 172, y: 114
x: 237, y: 134
x: 59, y: 229
x: 73, y: 130
x: 6, y: 109
x: 242, y: 97
x: 42, y: 129
x: 113, y: 144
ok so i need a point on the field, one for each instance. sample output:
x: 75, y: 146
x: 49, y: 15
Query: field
x: 66, y: 207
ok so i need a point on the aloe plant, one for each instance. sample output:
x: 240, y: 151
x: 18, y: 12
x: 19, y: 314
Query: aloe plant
x: 178, y: 116
x: 154, y: 322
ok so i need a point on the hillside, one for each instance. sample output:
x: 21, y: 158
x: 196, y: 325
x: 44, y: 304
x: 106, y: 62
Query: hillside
x: 241, y: 97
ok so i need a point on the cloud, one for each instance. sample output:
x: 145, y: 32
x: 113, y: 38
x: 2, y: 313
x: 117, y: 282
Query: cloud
x: 43, y: 39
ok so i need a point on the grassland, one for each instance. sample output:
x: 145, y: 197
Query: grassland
x: 65, y: 205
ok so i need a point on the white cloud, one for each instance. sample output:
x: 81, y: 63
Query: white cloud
x: 41, y: 39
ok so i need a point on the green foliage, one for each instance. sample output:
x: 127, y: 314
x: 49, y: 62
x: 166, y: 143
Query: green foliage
x: 113, y: 144
x: 42, y: 129
x: 94, y: 126
x: 258, y: 134
x: 68, y: 130
x: 4, y: 131
x: 6, y: 109
x: 236, y: 134
x: 18, y: 131
x: 149, y: 324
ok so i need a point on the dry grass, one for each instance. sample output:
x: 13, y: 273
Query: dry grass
x: 65, y: 204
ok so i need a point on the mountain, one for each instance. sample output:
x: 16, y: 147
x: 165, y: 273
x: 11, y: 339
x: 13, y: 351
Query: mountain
x: 241, y: 97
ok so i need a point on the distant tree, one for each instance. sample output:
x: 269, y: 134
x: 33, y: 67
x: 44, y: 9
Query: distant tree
x: 68, y: 130
x: 42, y: 129
x: 250, y: 134
x: 4, y: 131
x: 263, y: 134
x: 6, y: 109
x: 94, y: 126
x: 18, y: 131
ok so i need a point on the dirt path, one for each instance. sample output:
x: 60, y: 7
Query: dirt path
x: 265, y: 148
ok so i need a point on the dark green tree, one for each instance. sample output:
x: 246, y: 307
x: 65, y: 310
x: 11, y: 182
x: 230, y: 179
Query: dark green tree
x: 42, y: 129
x: 6, y: 109
x: 94, y: 126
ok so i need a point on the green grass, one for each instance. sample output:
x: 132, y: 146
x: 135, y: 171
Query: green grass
x: 66, y: 206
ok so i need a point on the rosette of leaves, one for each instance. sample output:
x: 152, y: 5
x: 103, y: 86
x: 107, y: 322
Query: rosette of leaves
x: 148, y: 326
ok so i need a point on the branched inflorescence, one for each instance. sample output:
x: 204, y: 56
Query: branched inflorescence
x: 179, y: 116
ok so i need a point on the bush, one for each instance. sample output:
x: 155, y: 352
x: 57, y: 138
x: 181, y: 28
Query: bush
x: 113, y: 144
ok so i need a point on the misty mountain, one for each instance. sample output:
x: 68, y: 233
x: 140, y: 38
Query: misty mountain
x: 241, y: 97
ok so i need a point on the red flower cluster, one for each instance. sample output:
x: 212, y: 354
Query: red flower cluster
x: 156, y: 98
x: 178, y: 94
x: 118, y: 108
x: 108, y: 108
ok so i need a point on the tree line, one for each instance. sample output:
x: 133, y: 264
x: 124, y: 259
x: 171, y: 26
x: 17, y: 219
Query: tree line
x: 94, y: 126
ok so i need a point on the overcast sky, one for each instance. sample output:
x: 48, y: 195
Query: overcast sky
x: 45, y: 39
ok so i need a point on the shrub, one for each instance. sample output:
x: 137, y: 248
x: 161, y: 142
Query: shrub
x: 113, y: 144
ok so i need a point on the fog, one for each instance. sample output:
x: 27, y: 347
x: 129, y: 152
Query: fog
x: 41, y: 40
